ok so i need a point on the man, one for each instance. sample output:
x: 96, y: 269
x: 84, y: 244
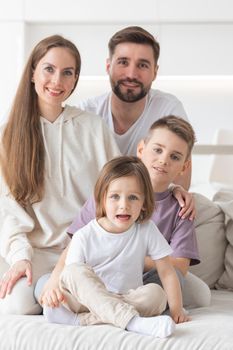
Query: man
x: 132, y: 106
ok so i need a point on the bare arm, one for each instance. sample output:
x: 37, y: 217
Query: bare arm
x: 51, y: 294
x: 181, y: 264
x: 185, y: 179
x: 149, y: 264
x: 172, y: 288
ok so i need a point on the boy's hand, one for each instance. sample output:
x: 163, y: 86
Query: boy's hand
x: 186, y: 202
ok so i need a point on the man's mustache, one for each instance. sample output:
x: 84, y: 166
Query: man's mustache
x: 128, y: 80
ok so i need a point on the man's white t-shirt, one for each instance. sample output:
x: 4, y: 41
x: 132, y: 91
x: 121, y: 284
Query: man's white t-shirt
x: 117, y: 258
x: 158, y: 104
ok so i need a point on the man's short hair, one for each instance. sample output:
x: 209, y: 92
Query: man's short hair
x: 137, y: 35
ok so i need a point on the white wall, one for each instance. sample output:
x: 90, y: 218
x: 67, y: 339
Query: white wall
x: 195, y: 37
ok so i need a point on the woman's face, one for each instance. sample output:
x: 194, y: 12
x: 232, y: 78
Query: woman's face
x: 54, y: 78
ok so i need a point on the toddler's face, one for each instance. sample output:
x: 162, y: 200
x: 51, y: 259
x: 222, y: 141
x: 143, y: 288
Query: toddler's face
x: 123, y: 204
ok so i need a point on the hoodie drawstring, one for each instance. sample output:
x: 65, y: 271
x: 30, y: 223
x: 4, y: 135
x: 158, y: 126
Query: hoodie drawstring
x: 61, y: 177
x: 61, y: 155
x: 46, y: 150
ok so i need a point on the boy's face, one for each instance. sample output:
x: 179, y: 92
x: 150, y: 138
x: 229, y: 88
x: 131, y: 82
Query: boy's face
x: 164, y: 155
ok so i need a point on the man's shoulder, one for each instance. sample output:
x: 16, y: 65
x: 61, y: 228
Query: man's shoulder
x: 155, y: 94
x: 163, y: 103
x: 84, y: 117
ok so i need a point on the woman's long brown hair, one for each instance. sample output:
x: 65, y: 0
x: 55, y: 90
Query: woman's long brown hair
x: 22, y: 156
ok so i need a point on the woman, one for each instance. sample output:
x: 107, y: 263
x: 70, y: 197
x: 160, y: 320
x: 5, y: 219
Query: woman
x: 50, y: 158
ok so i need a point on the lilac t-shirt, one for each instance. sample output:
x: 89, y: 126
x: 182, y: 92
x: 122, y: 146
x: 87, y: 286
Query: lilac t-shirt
x: 180, y: 233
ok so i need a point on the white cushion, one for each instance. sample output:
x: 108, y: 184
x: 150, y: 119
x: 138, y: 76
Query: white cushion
x: 210, y: 231
x: 225, y: 202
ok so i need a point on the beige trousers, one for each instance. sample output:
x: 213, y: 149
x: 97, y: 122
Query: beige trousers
x: 87, y: 295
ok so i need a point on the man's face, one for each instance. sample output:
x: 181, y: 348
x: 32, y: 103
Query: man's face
x: 131, y: 70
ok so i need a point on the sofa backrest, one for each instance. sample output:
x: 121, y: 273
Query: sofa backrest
x: 211, y: 238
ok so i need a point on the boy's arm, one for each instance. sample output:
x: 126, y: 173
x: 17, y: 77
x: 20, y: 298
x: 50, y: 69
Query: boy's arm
x: 51, y: 294
x: 182, y: 264
x: 172, y: 288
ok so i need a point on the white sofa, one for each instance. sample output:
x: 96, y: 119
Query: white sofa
x: 211, y: 328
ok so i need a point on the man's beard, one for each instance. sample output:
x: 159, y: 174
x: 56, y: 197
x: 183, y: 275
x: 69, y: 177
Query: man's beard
x: 129, y: 95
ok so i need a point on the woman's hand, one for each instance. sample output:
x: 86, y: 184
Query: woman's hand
x: 51, y: 294
x: 186, y: 201
x: 20, y: 269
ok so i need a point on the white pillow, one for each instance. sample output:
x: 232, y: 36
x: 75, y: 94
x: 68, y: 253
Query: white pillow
x: 225, y: 201
x: 210, y: 231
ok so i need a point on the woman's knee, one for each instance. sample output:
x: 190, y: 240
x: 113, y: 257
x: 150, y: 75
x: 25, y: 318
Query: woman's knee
x: 40, y: 285
x: 21, y: 301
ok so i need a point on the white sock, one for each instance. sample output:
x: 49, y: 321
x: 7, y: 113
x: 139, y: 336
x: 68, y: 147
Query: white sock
x: 157, y: 326
x: 60, y: 315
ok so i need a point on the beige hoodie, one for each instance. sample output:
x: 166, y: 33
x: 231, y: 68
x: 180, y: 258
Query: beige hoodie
x: 77, y: 145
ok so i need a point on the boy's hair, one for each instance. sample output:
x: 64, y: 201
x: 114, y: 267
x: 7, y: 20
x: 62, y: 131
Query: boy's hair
x: 178, y: 126
x: 137, y: 35
x: 120, y: 167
